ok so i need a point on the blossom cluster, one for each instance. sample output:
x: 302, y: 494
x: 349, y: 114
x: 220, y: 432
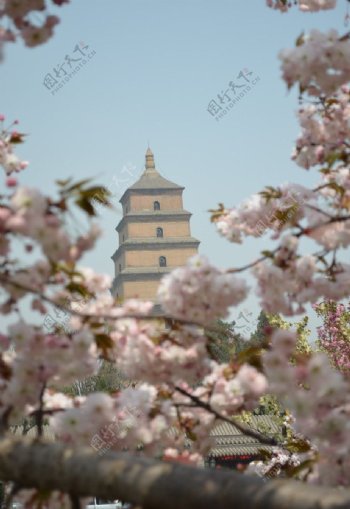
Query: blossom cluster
x: 286, y: 281
x: 33, y: 218
x: 36, y: 360
x: 199, y: 292
x: 320, y: 62
x: 313, y: 212
x: 278, y: 211
x: 147, y: 352
x: 325, y: 130
x: 18, y: 21
x: 334, y: 334
x: 230, y: 394
x: 304, y: 5
x: 280, y: 460
x: 8, y: 159
x: 318, y: 397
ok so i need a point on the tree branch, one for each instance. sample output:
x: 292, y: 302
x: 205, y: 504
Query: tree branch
x: 263, y: 439
x: 153, y: 484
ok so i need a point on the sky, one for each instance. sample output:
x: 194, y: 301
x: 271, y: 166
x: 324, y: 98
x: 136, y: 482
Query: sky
x: 154, y: 67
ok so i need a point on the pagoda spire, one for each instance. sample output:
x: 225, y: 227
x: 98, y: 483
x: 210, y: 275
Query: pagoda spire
x: 150, y: 166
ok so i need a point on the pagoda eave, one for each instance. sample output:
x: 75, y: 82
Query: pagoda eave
x: 151, y: 216
x: 155, y: 244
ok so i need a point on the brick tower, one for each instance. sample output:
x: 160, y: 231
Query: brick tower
x: 154, y: 235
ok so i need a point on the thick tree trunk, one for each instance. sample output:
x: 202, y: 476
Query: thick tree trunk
x: 153, y: 484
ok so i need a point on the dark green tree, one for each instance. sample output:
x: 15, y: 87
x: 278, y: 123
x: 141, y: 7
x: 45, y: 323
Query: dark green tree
x: 108, y: 379
x: 223, y: 341
x: 260, y: 335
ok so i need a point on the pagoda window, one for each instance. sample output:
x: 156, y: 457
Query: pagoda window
x: 159, y: 232
x: 162, y: 261
x: 156, y: 205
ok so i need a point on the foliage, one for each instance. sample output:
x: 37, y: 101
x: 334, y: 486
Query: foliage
x: 223, y: 341
x: 108, y: 379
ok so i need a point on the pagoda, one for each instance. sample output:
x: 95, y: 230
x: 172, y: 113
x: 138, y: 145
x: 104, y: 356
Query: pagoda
x: 154, y: 235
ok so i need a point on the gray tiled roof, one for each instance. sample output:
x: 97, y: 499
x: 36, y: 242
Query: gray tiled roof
x: 228, y: 440
x: 252, y: 450
x: 256, y: 422
x: 153, y: 180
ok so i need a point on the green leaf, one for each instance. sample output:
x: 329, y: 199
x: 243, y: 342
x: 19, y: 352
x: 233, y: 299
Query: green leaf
x: 77, y: 185
x: 74, y: 287
x: 252, y: 356
x: 217, y: 213
x: 63, y: 183
x: 294, y: 471
x: 86, y: 206
x: 97, y: 193
x: 267, y: 253
x: 300, y: 40
x: 337, y: 188
x: 332, y: 157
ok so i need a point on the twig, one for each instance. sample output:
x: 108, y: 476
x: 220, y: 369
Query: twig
x: 39, y: 416
x: 263, y: 439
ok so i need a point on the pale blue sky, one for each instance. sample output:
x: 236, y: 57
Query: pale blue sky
x: 157, y: 65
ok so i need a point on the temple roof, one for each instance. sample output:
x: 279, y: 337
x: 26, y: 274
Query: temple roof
x: 151, y: 178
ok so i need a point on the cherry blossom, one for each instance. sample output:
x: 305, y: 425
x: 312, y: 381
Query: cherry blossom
x: 256, y: 215
x: 8, y: 159
x: 200, y: 292
x: 17, y: 16
x: 325, y: 129
x: 333, y: 335
x: 320, y: 409
x: 304, y: 5
x: 319, y: 63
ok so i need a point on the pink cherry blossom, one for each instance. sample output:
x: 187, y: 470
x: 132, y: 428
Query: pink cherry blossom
x: 200, y: 292
x: 320, y: 63
x: 304, y: 5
